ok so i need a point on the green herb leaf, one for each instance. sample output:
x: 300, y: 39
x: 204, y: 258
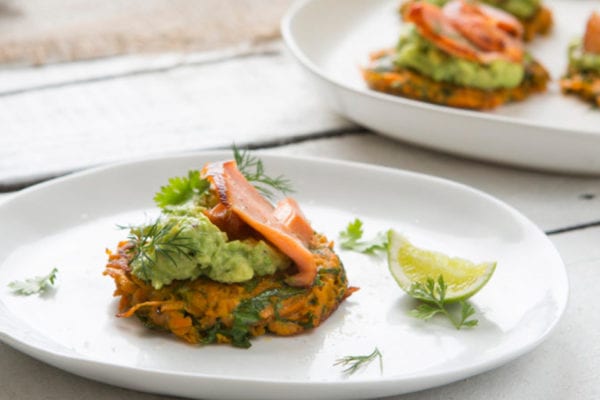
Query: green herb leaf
x: 466, y: 312
x: 433, y: 294
x: 253, y: 169
x: 350, y: 239
x: 354, y: 363
x: 424, y: 311
x: 247, y: 314
x: 181, y: 189
x: 39, y: 284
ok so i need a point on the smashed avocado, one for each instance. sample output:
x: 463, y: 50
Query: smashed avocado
x: 416, y: 53
x: 582, y: 61
x: 523, y: 9
x: 184, y: 244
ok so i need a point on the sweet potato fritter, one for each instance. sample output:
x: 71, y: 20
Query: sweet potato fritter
x: 582, y: 80
x: 206, y: 311
x: 585, y: 84
x: 407, y: 83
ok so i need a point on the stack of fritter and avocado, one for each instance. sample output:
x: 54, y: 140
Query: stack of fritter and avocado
x: 583, y: 75
x: 221, y: 264
x: 459, y: 55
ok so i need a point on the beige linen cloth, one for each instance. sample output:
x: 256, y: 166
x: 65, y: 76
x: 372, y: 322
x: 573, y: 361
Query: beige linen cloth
x: 47, y: 31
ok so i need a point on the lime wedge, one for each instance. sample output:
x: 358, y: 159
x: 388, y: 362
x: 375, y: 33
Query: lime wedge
x: 409, y: 264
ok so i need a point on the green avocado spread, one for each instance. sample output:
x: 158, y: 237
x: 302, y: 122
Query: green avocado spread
x: 184, y: 244
x: 416, y: 53
x: 582, y: 61
x: 522, y: 9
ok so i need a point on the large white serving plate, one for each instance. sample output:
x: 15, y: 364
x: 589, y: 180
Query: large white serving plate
x: 332, y: 39
x: 68, y: 223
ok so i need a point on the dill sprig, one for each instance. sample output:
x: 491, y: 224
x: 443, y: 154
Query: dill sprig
x: 254, y: 171
x: 354, y: 363
x: 159, y: 240
x: 433, y: 294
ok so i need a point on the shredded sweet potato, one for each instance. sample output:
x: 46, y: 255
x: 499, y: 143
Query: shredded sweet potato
x: 205, y: 311
x: 539, y: 24
x: 407, y: 83
x: 586, y: 85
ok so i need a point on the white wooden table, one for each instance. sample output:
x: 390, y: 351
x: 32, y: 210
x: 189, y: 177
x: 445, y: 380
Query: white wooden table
x: 46, y: 114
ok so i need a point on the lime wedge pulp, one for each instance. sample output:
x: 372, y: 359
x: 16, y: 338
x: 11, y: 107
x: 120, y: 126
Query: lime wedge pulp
x: 409, y: 264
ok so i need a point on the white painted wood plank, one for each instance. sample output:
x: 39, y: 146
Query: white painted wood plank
x: 197, y: 105
x: 22, y: 78
x: 551, y: 201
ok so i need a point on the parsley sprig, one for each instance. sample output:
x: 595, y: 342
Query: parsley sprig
x: 433, y: 295
x: 354, y: 363
x: 159, y: 239
x: 38, y: 284
x: 350, y: 239
x: 181, y: 189
x: 254, y: 171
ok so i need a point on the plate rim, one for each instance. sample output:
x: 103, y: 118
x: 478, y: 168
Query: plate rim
x: 293, y: 46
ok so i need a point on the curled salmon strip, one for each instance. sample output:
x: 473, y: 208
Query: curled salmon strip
x: 458, y: 9
x: 591, y: 39
x: 434, y: 26
x: 495, y: 33
x: 469, y: 31
x: 284, y: 226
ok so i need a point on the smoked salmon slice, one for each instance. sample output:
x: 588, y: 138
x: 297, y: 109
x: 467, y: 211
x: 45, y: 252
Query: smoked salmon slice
x: 469, y: 31
x: 289, y: 214
x: 284, y: 226
x: 591, y: 40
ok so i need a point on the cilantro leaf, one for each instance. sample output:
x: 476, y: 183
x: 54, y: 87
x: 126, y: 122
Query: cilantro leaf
x: 181, y: 189
x: 466, y: 311
x: 38, y: 284
x: 425, y: 311
x: 350, y: 239
x: 433, y: 295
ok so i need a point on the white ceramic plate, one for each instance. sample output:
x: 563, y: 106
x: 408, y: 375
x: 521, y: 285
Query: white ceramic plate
x: 332, y: 38
x: 67, y: 223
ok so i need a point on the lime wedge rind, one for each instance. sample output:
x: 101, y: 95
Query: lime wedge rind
x: 463, y: 277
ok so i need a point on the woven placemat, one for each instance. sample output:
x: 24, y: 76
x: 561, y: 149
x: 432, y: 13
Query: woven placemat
x: 47, y: 31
